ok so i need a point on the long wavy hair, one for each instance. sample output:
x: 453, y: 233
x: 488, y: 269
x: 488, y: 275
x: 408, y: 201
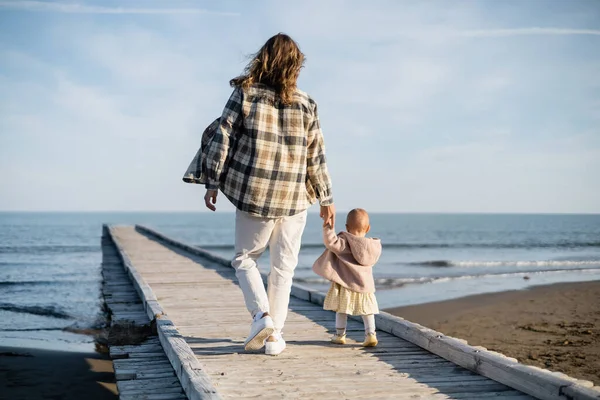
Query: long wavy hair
x: 277, y: 64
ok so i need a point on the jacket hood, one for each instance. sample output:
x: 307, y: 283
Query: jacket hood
x: 365, y: 250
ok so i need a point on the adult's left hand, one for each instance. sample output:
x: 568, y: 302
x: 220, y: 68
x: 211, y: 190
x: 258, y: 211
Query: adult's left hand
x: 210, y: 199
x: 328, y: 215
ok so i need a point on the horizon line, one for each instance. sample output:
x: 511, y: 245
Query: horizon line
x: 309, y: 212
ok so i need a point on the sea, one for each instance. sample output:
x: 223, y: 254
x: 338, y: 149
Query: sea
x: 50, y: 262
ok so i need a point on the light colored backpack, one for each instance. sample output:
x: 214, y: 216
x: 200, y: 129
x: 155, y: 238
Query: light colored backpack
x: 196, y: 172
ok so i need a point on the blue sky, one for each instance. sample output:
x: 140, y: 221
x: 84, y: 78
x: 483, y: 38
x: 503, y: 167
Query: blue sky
x: 426, y: 106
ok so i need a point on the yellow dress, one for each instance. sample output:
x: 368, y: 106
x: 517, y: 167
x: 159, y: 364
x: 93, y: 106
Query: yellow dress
x: 343, y: 300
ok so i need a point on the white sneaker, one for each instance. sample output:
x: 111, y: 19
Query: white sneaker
x: 275, y: 348
x: 260, y: 330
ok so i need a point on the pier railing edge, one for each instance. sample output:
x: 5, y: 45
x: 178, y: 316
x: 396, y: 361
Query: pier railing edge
x: 537, y: 382
x: 195, y: 382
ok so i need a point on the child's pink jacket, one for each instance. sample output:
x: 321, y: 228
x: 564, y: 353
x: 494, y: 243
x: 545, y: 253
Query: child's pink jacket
x: 348, y: 260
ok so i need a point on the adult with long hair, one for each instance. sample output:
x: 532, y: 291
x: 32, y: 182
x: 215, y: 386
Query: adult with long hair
x: 268, y: 159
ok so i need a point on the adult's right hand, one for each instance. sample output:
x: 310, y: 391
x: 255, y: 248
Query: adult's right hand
x: 210, y: 199
x: 328, y: 215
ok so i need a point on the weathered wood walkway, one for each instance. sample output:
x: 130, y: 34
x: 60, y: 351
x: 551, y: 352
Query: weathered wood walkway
x: 143, y: 370
x: 202, y: 323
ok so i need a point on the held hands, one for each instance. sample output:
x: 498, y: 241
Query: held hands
x: 210, y: 199
x: 328, y: 215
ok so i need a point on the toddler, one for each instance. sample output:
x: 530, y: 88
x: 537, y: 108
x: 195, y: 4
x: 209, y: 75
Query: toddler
x: 348, y: 263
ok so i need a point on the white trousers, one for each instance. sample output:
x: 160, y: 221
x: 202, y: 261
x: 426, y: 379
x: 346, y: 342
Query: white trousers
x: 252, y: 236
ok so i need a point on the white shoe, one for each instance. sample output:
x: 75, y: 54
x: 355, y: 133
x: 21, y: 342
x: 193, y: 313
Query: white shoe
x: 276, y: 347
x: 260, y: 330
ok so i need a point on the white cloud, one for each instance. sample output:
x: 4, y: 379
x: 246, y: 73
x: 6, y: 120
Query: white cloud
x: 74, y: 8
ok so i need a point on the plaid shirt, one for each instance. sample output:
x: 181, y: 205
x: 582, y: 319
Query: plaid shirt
x: 269, y: 158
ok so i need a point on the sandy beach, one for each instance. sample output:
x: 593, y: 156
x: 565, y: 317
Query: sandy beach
x: 36, y: 374
x: 555, y: 327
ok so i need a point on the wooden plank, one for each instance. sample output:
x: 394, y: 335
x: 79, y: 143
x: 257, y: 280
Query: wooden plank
x: 127, y: 363
x: 142, y: 348
x: 148, y: 384
x: 141, y: 389
x: 126, y: 307
x: 156, y: 368
x: 165, y: 396
x: 125, y: 374
x: 143, y: 370
x: 140, y: 315
x: 149, y: 375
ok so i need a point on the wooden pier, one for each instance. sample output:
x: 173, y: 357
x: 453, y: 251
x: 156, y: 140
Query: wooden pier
x: 201, y: 322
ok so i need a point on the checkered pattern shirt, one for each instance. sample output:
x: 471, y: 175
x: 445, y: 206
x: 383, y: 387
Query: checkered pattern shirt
x: 268, y: 158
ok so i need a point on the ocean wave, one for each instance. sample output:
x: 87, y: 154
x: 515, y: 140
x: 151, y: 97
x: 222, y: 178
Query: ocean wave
x: 46, y: 311
x: 45, y: 283
x: 395, y: 282
x: 31, y: 329
x: 524, y: 263
x: 398, y: 282
x: 48, y: 249
x: 380, y: 282
x: 512, y: 274
x: 519, y: 245
x: 385, y: 282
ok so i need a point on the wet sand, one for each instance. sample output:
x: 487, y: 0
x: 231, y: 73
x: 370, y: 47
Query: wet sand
x: 40, y: 374
x: 555, y: 327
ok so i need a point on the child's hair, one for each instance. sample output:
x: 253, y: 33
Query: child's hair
x: 277, y: 64
x: 358, y: 219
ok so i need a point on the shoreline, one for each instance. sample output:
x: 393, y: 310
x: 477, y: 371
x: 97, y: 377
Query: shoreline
x: 554, y: 326
x: 28, y: 373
